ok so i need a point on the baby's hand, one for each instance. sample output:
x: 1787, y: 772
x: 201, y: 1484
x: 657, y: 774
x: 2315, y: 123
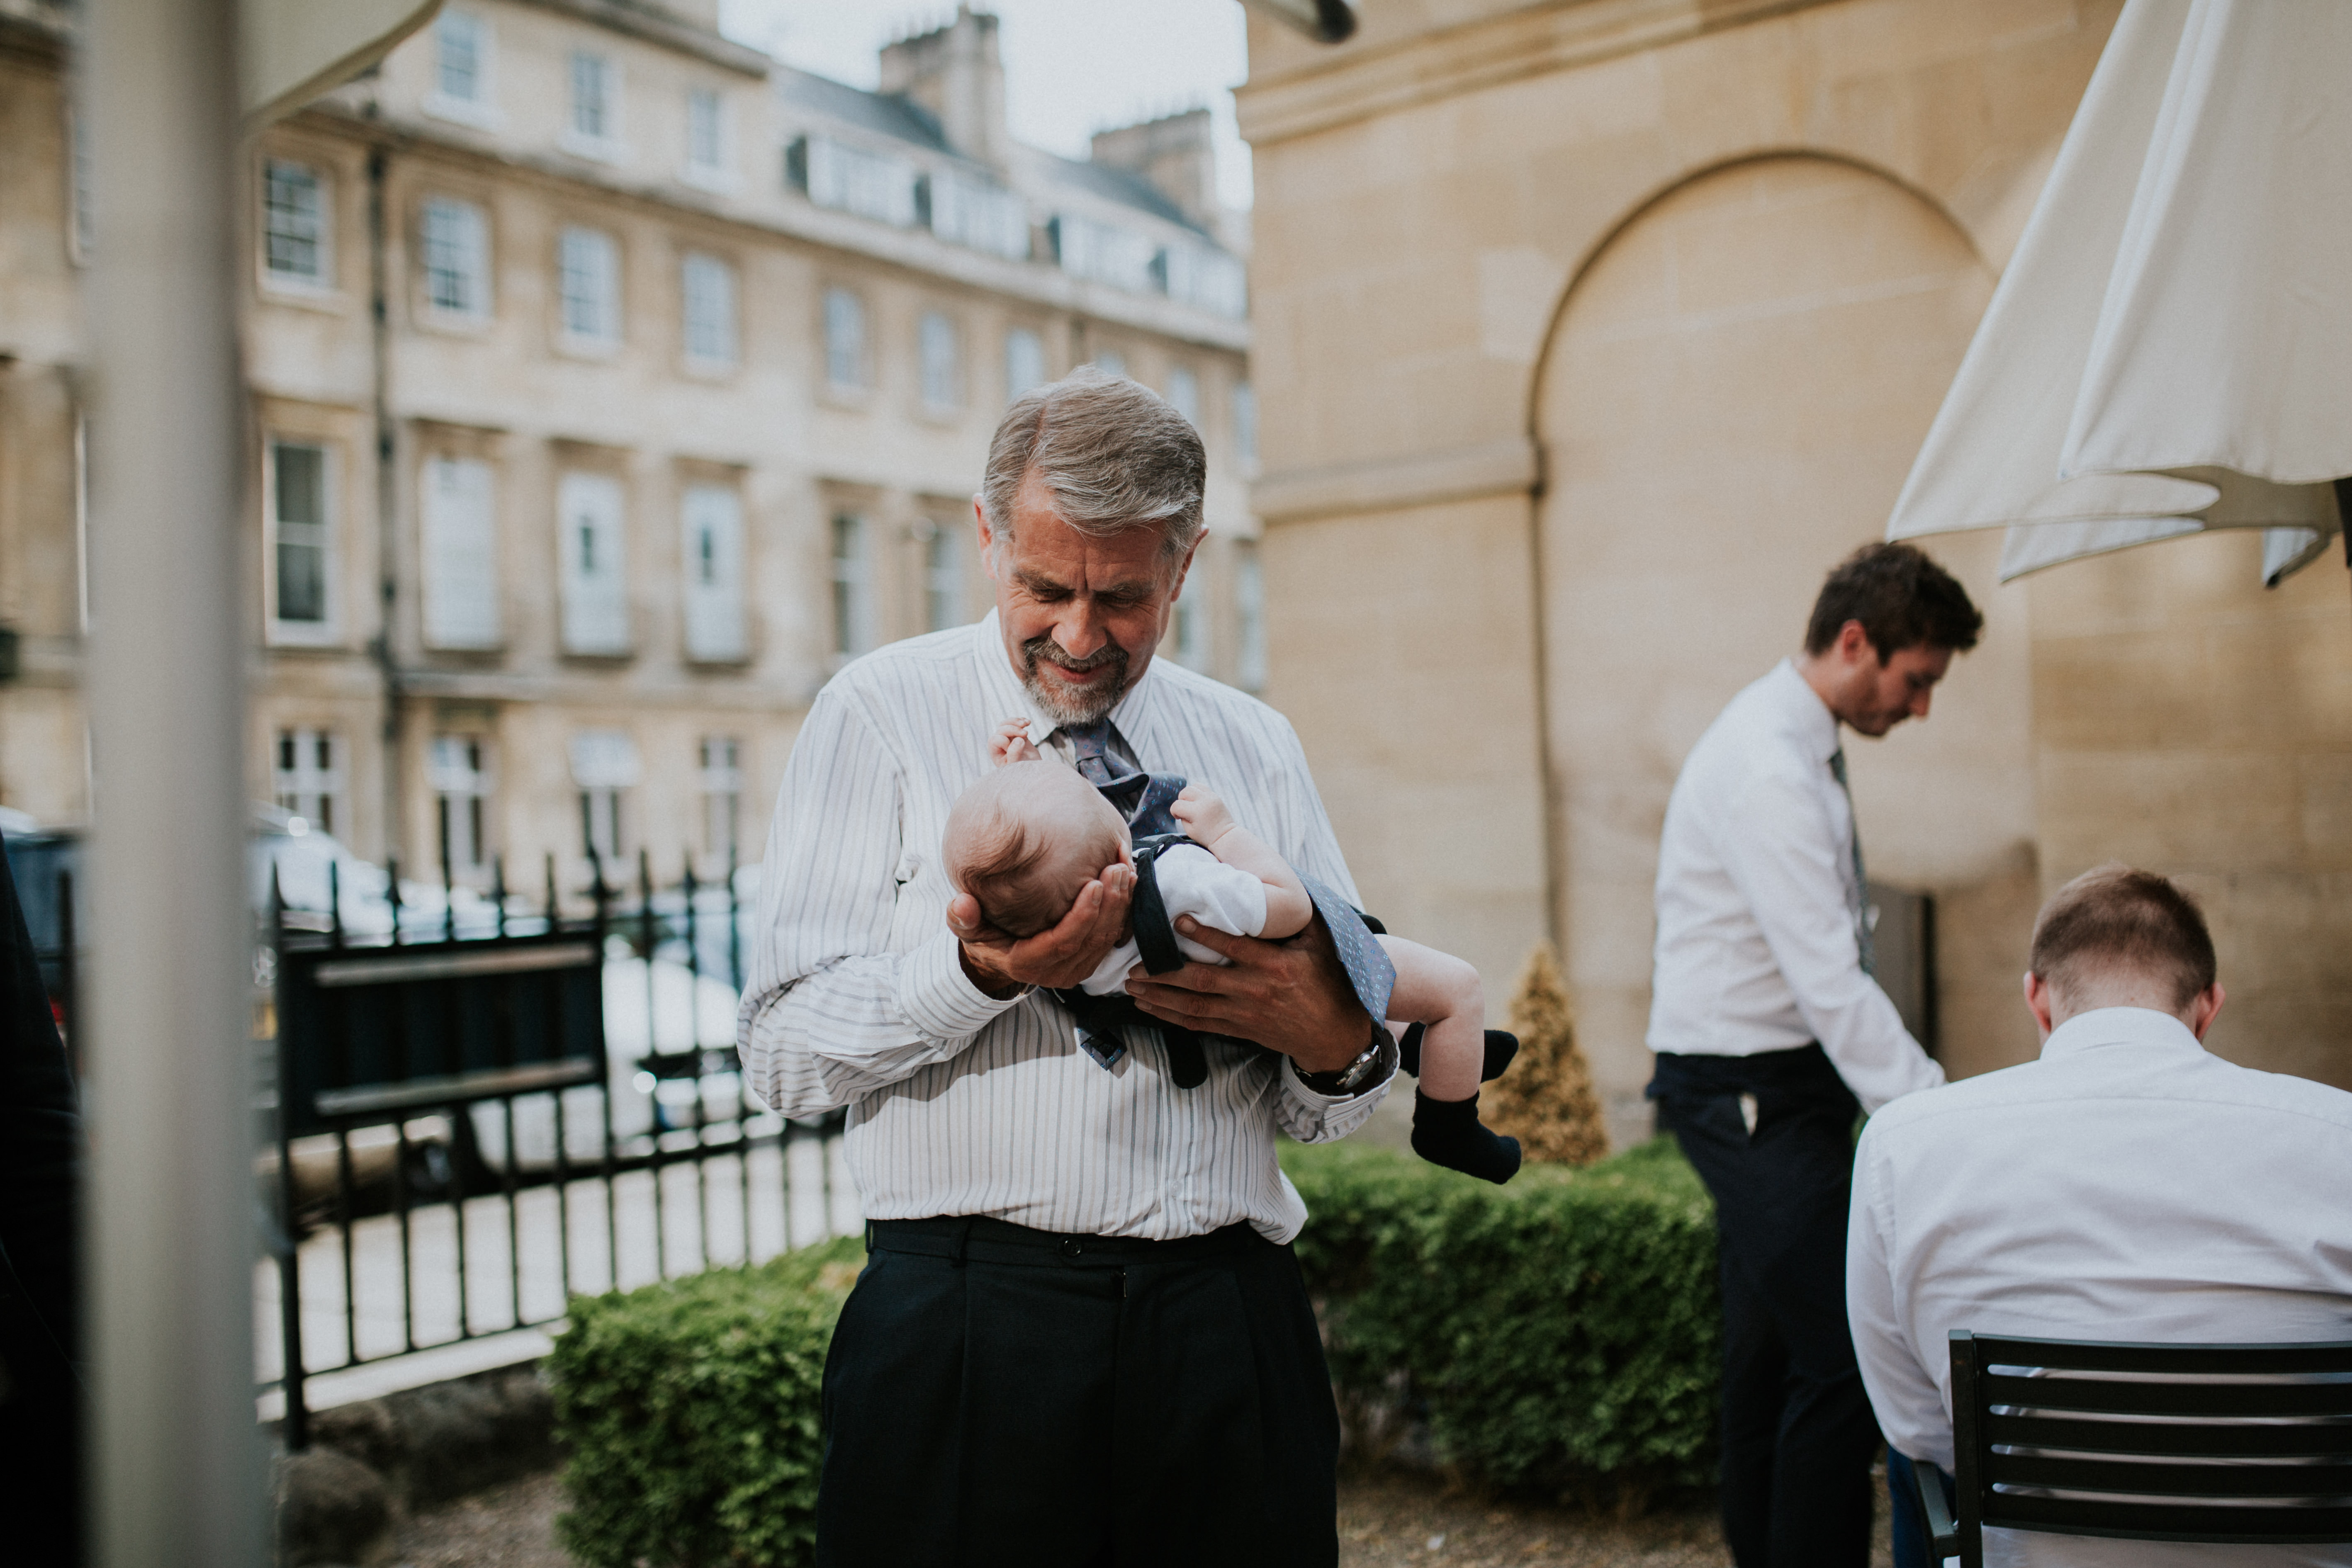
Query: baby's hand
x: 1011, y: 743
x: 1205, y: 817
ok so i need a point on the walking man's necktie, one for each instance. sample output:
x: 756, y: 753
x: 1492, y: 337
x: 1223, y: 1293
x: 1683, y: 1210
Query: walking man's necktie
x: 1860, y: 883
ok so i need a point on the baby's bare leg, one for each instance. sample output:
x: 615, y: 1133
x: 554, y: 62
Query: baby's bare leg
x: 1441, y: 993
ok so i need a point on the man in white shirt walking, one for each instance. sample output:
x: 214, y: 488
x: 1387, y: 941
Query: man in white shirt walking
x: 1081, y: 1336
x: 1771, y: 1036
x: 2128, y: 1186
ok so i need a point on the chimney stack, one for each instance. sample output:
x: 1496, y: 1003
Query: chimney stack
x: 1173, y: 153
x: 955, y: 72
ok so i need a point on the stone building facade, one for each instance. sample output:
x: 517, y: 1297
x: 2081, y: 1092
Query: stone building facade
x: 1590, y: 334
x: 610, y: 384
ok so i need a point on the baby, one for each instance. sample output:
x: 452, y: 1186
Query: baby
x: 1028, y: 836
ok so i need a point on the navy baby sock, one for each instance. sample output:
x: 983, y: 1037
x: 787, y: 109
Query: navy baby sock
x: 1448, y: 1132
x: 1501, y: 1046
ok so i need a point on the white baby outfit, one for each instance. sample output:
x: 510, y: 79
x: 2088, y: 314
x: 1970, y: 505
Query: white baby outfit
x: 1192, y: 882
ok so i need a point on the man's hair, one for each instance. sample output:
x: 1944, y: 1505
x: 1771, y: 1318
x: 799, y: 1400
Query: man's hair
x: 1113, y: 454
x: 1902, y: 599
x: 2112, y: 919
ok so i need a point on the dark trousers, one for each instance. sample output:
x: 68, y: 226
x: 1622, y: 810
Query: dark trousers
x: 1910, y: 1520
x: 1797, y: 1433
x: 996, y: 1395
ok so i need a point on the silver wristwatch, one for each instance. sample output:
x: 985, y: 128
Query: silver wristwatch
x: 1356, y: 1074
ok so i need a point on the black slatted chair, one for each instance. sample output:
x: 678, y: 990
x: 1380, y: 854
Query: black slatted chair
x: 2207, y: 1443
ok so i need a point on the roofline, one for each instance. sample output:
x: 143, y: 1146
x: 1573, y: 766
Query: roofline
x: 656, y: 27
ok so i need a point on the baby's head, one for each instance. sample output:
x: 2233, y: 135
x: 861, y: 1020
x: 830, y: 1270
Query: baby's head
x: 1027, y: 839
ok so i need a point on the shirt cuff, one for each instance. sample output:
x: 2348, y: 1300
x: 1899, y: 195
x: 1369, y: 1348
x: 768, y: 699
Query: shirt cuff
x: 939, y: 998
x: 1295, y: 1082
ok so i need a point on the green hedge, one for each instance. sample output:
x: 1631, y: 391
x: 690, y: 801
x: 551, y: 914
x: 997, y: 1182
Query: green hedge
x: 1559, y: 1334
x: 690, y: 1412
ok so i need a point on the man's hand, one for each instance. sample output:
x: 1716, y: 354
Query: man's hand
x: 1060, y: 958
x: 1290, y: 996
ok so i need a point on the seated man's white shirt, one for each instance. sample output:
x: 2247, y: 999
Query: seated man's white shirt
x: 961, y: 1103
x: 1757, y: 900
x: 2128, y: 1186
x: 1192, y: 882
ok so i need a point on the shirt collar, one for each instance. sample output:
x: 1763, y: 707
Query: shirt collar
x: 1131, y: 713
x: 2142, y: 1028
x: 1805, y: 709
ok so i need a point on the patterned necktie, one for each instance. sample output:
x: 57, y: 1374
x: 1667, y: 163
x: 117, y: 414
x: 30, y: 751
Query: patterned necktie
x: 1860, y: 883
x: 1090, y: 749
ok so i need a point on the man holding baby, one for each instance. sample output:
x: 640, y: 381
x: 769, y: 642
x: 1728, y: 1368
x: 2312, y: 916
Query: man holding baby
x: 1081, y: 1336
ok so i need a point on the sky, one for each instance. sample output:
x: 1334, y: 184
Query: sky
x: 1071, y: 66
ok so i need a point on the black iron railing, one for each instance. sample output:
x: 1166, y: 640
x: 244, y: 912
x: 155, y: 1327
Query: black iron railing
x: 487, y: 1108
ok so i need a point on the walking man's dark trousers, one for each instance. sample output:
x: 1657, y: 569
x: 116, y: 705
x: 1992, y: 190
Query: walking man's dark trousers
x: 1000, y: 1396
x: 1797, y: 1433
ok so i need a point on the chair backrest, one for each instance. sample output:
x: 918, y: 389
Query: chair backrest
x: 2213, y: 1443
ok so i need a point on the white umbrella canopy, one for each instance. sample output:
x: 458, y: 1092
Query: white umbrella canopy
x: 2170, y: 347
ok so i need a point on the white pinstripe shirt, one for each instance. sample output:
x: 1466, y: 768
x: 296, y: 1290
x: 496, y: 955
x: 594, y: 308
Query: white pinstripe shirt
x: 960, y: 1103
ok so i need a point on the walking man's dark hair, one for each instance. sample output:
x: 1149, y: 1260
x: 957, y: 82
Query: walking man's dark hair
x: 1902, y: 599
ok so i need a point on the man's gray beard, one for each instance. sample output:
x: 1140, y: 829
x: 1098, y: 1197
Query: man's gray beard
x: 1055, y: 705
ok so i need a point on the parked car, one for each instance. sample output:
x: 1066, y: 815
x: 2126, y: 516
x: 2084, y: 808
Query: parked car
x: 667, y: 1033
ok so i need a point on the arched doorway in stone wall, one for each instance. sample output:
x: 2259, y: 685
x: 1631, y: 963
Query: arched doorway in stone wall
x: 1731, y: 396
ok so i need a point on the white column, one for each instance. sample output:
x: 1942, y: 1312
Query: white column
x: 176, y: 1471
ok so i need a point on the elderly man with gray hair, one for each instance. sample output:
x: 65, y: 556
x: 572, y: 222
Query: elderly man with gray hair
x: 1081, y: 1336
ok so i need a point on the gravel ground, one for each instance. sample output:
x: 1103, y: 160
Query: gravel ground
x: 1388, y: 1519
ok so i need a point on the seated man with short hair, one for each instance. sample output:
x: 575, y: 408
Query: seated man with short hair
x: 2128, y: 1186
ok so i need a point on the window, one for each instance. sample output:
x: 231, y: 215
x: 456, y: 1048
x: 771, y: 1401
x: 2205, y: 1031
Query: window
x: 299, y: 529
x: 844, y: 341
x: 943, y: 578
x: 1105, y: 253
x: 1245, y: 424
x: 1249, y: 617
x: 309, y: 776
x: 943, y: 362
x: 853, y: 589
x: 1111, y: 359
x: 870, y: 184
x: 461, y: 788
x: 603, y: 766
x: 596, y: 98
x: 461, y: 65
x: 1185, y: 395
x: 707, y: 287
x: 711, y: 520
x: 588, y: 284
x: 1192, y: 628
x: 81, y: 227
x: 459, y: 531
x: 982, y: 217
x: 295, y: 229
x: 722, y: 796
x: 706, y: 131
x: 1025, y: 363
x: 1199, y: 276
x: 594, y: 585
x: 457, y: 258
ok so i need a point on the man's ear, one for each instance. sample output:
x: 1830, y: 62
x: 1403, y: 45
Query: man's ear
x: 1854, y: 645
x: 1184, y: 567
x: 987, y: 540
x: 2204, y: 1010
x: 2038, y: 1002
